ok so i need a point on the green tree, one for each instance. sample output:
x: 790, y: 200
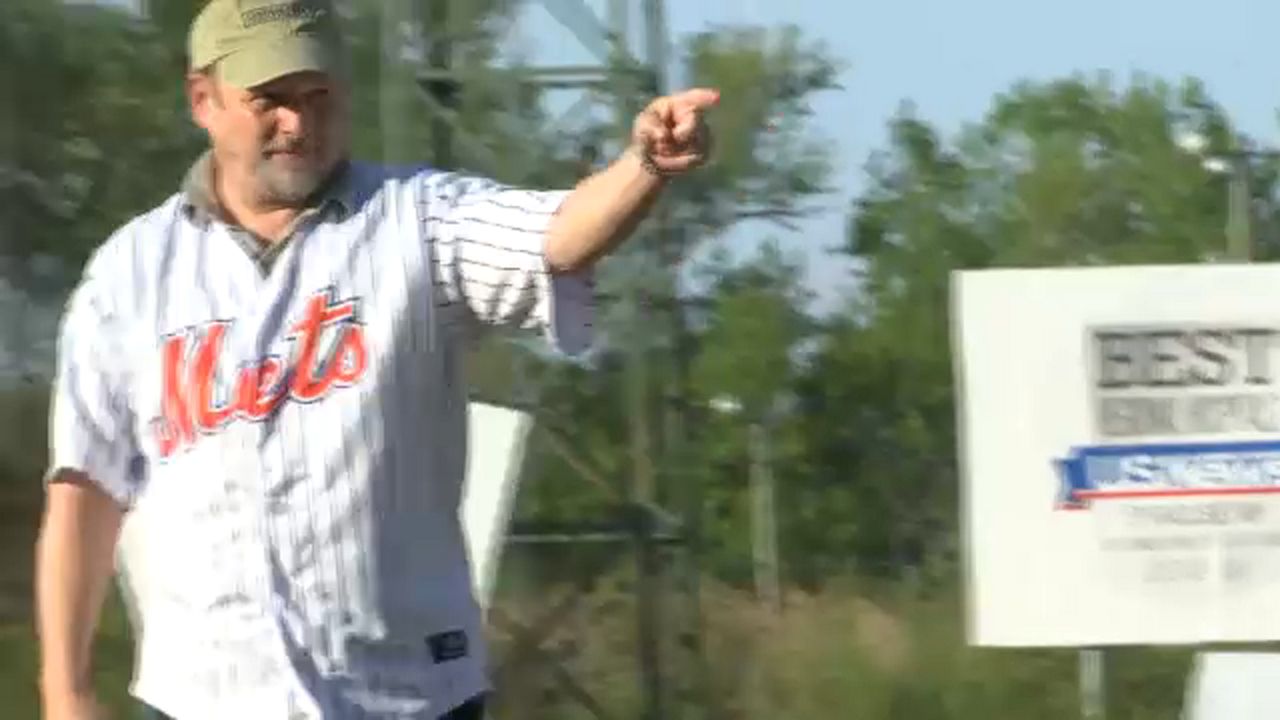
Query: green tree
x: 92, y: 129
x: 1069, y: 172
x: 751, y: 329
x: 754, y: 320
x: 768, y: 167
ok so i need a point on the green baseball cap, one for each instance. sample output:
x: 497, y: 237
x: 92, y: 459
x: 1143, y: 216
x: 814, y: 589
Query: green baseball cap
x: 256, y: 41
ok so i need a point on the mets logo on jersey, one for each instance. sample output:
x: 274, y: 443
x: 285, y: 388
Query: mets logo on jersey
x: 328, y: 351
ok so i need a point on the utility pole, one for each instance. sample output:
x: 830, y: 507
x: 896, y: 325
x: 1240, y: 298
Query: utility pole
x: 1241, y: 239
x: 620, y: 23
x: 687, y: 486
x: 1236, y: 163
x: 649, y: 563
x: 392, y: 112
x: 445, y: 87
x: 764, y: 531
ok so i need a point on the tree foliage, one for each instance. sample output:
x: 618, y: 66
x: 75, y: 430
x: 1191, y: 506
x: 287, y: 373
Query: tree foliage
x: 746, y: 320
x: 859, y: 406
x: 770, y: 164
x: 93, y: 126
x: 1077, y: 171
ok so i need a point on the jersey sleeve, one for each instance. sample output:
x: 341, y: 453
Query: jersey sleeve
x: 91, y: 427
x: 487, y: 247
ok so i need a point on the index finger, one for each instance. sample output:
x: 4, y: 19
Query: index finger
x: 699, y: 98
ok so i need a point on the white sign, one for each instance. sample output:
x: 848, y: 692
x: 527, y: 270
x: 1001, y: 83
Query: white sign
x: 1234, y: 686
x: 495, y: 458
x: 1120, y: 449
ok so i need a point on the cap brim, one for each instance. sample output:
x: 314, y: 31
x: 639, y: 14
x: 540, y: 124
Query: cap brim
x: 250, y: 68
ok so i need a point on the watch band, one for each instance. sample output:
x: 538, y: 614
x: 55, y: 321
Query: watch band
x: 647, y: 162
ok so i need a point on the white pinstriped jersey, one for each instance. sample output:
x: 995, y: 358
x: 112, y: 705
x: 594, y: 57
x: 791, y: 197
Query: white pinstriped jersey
x: 296, y: 433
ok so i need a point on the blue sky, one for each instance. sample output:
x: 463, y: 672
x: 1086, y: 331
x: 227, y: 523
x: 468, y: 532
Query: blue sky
x: 950, y: 58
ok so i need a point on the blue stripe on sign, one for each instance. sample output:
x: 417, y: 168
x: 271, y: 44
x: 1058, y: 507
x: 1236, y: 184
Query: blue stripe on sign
x: 1089, y: 470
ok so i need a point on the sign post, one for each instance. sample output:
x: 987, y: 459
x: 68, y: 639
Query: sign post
x: 1093, y: 692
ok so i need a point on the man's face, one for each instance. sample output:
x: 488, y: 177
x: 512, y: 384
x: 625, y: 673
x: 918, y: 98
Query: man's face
x: 281, y: 139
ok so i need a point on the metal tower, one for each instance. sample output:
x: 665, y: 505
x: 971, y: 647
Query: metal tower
x: 622, y: 73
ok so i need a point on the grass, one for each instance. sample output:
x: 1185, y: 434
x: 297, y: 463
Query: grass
x: 113, y: 660
x: 855, y: 650
x: 22, y: 415
x: 849, y: 652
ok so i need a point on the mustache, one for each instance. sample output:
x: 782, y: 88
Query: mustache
x: 290, y: 145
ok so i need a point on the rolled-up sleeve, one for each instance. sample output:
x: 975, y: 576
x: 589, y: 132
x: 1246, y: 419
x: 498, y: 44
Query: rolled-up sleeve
x: 487, y: 245
x: 91, y: 427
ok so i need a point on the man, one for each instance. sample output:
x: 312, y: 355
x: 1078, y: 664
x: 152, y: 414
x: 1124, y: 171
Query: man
x: 268, y: 362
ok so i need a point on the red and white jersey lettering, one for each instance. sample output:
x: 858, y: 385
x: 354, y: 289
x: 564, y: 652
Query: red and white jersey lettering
x: 328, y: 351
x: 291, y: 438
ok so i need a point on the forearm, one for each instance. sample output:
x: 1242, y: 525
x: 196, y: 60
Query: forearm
x: 600, y: 214
x: 75, y: 557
